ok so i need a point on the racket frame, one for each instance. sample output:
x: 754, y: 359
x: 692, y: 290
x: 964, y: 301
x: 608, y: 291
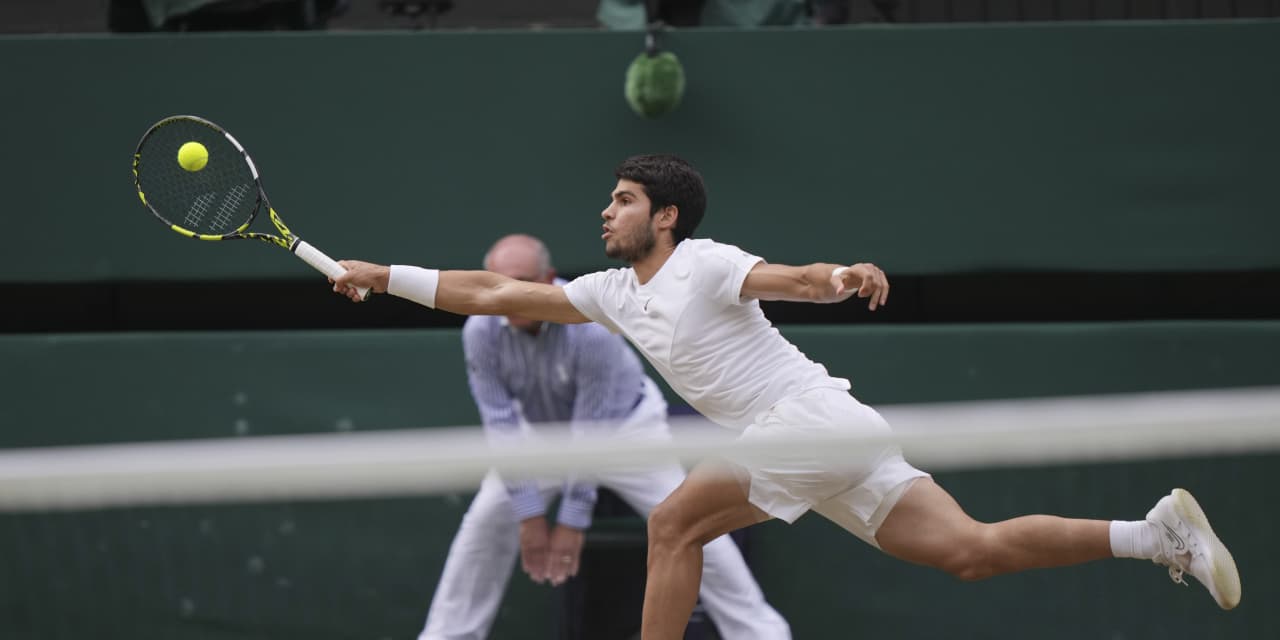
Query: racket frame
x: 286, y: 240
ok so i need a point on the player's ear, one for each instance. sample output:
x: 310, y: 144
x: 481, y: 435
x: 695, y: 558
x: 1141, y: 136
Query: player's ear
x: 667, y: 216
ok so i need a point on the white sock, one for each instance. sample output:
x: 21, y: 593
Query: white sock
x: 1136, y: 539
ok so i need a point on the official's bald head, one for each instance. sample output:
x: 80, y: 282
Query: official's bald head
x: 522, y: 257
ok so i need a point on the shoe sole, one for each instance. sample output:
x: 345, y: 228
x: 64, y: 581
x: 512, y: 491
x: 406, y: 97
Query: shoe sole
x: 1226, y: 578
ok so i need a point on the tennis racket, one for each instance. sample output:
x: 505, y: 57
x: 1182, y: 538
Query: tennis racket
x: 213, y: 199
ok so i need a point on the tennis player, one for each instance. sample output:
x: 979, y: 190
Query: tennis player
x: 525, y: 372
x: 691, y: 307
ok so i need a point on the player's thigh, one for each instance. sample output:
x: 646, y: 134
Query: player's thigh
x: 927, y: 526
x: 711, y: 501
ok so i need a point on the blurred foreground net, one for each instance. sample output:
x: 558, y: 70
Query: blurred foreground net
x: 343, y: 535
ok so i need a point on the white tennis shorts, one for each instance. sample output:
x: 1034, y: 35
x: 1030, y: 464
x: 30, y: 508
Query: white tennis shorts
x: 856, y: 493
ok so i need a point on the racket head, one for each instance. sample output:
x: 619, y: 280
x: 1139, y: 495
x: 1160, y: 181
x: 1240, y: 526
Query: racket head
x: 217, y: 202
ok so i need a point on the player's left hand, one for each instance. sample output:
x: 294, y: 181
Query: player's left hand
x: 868, y: 280
x: 563, y: 554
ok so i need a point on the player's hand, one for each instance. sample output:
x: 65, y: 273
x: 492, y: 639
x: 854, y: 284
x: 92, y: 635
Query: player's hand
x: 868, y: 280
x: 534, y: 546
x: 361, y: 274
x: 564, y: 554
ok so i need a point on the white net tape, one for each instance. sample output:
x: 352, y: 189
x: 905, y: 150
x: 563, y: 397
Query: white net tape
x: 938, y: 437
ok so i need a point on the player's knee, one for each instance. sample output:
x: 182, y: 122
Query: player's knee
x: 667, y: 526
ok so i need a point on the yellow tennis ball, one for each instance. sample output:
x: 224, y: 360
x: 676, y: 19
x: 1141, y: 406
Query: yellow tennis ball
x: 193, y: 156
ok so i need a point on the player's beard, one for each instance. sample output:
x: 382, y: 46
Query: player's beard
x: 637, y: 246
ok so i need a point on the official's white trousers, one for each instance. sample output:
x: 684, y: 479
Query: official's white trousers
x: 484, y: 552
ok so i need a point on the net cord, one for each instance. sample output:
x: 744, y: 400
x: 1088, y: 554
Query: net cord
x: 935, y: 437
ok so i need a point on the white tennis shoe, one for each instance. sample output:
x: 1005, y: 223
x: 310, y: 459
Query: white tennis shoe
x: 1188, y: 544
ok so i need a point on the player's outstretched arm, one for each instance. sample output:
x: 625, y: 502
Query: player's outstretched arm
x: 819, y: 282
x: 471, y: 293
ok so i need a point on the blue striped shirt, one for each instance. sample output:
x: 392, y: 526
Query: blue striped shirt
x: 577, y: 373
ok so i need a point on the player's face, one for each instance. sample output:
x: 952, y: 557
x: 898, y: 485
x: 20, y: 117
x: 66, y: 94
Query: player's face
x: 628, y: 227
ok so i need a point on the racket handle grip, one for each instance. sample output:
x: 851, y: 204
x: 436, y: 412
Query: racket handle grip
x: 323, y: 263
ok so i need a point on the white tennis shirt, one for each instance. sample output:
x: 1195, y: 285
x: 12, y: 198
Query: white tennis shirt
x: 716, y: 350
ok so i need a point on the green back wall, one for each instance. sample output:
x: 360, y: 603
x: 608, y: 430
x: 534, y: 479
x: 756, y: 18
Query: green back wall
x: 924, y: 149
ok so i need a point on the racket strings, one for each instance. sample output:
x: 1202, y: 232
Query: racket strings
x: 226, y: 214
x: 199, y: 207
x: 218, y: 199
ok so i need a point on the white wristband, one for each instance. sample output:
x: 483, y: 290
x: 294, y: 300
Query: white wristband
x: 835, y: 273
x: 414, y: 283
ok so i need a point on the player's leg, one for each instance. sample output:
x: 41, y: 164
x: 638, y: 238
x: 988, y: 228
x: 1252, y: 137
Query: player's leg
x: 710, y: 502
x: 729, y: 592
x: 928, y: 527
x: 477, y: 570
x: 901, y: 510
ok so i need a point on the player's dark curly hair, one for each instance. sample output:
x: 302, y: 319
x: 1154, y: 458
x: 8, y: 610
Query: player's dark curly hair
x: 669, y: 180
